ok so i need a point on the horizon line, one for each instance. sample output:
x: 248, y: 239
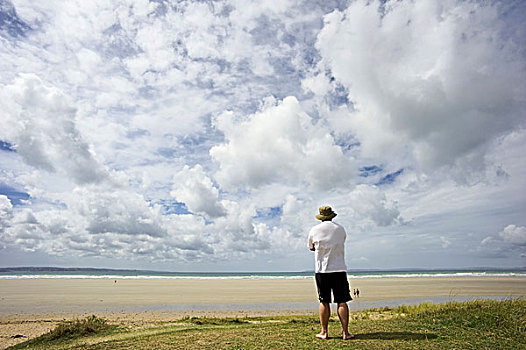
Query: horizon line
x: 406, y: 269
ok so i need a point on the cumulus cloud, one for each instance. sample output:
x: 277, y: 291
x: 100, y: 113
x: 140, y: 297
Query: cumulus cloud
x: 113, y: 121
x: 514, y: 234
x: 369, y: 202
x: 239, y: 232
x: 507, y: 243
x: 39, y: 121
x: 435, y: 81
x: 24, y: 231
x: 103, y: 223
x: 117, y: 211
x: 486, y: 241
x: 194, y: 188
x: 279, y: 144
x: 6, y: 212
x: 445, y: 242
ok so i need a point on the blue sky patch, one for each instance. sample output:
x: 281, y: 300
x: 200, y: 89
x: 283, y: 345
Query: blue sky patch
x: 167, y: 152
x: 367, y: 171
x: 132, y: 134
x: 16, y: 197
x: 389, y: 178
x: 10, y: 23
x: 6, y: 146
x: 269, y: 213
x: 173, y: 207
x: 338, y: 97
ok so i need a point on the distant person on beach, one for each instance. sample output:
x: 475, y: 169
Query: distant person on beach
x: 327, y: 241
x: 357, y: 293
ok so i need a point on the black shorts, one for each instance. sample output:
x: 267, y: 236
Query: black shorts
x: 335, y: 281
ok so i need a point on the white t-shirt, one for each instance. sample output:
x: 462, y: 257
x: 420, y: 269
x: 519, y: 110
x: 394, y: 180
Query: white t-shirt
x: 328, y: 239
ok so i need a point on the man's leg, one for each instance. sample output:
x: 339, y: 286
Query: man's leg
x: 325, y: 313
x: 343, y: 315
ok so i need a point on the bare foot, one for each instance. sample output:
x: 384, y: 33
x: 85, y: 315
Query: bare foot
x: 322, y: 335
x: 348, y: 336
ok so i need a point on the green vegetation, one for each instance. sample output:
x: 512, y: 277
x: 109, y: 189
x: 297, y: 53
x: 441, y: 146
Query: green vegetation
x: 67, y: 331
x: 472, y: 325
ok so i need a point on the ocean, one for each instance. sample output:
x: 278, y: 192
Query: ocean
x: 96, y: 273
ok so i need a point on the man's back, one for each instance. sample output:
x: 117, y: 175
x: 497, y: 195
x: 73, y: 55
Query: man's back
x: 328, y: 239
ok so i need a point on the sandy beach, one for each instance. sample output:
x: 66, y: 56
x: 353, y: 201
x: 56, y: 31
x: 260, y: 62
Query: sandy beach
x: 30, y: 307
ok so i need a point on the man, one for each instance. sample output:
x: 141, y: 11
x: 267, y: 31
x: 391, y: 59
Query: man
x: 327, y: 240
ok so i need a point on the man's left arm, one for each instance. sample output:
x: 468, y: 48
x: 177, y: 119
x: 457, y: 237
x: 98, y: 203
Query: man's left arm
x: 311, y: 243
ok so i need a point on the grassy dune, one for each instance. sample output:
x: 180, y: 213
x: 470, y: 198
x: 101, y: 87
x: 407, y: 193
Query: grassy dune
x: 471, y: 325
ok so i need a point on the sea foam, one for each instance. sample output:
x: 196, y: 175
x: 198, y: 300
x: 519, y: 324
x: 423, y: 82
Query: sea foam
x: 260, y: 276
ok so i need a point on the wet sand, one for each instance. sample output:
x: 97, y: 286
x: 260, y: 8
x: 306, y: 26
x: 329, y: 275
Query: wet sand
x: 33, y: 306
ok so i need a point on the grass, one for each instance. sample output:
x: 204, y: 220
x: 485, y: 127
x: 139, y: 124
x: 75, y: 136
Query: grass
x: 481, y: 324
x: 68, y: 331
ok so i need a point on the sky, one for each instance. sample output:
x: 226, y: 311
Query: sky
x: 204, y: 135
